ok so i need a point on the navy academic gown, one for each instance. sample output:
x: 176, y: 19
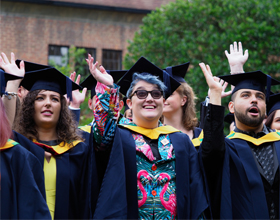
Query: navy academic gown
x: 118, y: 194
x: 99, y: 162
x: 20, y: 194
x: 73, y: 200
x: 235, y: 184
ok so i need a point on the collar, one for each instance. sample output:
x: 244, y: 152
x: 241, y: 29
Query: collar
x: 152, y: 133
x: 86, y: 128
x: 58, y: 149
x: 253, y: 134
x: 197, y: 141
x: 269, y: 137
x: 10, y: 143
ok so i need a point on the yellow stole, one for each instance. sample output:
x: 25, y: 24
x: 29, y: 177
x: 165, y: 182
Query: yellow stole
x: 270, y: 137
x: 60, y: 148
x: 10, y: 143
x: 197, y: 141
x: 152, y: 133
x: 86, y: 128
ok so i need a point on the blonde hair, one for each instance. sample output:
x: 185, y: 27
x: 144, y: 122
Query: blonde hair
x: 189, y: 118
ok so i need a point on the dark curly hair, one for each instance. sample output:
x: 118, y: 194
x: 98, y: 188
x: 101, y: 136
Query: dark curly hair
x: 66, y: 128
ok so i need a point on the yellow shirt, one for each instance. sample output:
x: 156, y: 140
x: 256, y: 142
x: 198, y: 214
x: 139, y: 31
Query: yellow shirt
x: 50, y: 183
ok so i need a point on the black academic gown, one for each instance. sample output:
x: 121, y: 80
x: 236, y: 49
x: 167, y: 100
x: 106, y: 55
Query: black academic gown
x: 236, y: 187
x: 118, y: 194
x: 73, y: 180
x: 21, y: 197
x: 99, y: 162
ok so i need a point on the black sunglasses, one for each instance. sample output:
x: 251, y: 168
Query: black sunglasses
x: 142, y: 94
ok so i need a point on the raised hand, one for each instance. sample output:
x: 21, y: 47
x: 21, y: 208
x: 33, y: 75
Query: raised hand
x: 101, y: 76
x: 214, y: 84
x: 11, y: 67
x: 77, y: 97
x: 224, y: 86
x: 236, y: 58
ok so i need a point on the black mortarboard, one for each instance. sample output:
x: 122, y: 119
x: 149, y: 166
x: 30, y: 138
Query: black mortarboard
x: 90, y: 82
x: 28, y: 66
x: 49, y: 79
x: 178, y: 72
x: 256, y: 80
x: 145, y: 66
x: 4, y: 78
x: 273, y: 104
x: 229, y: 118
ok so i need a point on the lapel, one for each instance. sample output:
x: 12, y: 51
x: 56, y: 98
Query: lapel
x: 62, y: 186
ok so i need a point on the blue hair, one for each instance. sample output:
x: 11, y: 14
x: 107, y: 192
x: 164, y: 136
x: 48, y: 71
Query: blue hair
x: 147, y: 77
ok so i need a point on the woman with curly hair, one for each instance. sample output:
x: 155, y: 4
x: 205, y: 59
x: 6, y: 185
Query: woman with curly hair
x: 179, y: 109
x: 46, y: 122
x: 21, y: 194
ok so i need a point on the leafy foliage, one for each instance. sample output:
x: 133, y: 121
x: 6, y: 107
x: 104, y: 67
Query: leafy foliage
x: 201, y: 30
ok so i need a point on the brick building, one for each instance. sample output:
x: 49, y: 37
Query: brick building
x: 43, y: 30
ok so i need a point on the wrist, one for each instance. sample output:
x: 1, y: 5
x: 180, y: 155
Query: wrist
x: 236, y: 69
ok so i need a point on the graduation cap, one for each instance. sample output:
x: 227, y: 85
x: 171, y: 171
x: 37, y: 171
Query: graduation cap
x: 4, y: 78
x: 29, y: 66
x: 146, y: 67
x: 256, y: 80
x: 178, y: 72
x: 90, y: 82
x: 49, y: 79
x: 229, y: 118
x: 274, y: 103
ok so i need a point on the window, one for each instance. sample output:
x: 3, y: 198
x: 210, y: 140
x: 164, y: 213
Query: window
x: 58, y: 55
x: 112, y: 59
x: 84, y: 70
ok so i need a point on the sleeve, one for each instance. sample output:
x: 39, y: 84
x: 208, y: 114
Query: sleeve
x: 76, y: 114
x: 212, y: 150
x: 31, y: 203
x: 203, y: 111
x: 106, y: 112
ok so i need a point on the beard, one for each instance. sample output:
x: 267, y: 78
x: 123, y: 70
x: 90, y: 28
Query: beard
x: 248, y: 120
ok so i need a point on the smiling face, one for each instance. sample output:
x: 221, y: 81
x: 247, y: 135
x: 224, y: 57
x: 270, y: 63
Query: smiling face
x: 249, y: 108
x: 174, y: 104
x: 47, y: 108
x: 146, y: 112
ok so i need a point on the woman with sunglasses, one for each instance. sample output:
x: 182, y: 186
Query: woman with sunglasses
x: 21, y: 176
x: 154, y: 168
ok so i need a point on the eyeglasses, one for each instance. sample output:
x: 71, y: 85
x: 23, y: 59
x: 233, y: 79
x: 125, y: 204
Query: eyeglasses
x: 142, y: 94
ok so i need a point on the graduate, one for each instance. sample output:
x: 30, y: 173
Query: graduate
x: 273, y: 112
x: 45, y: 122
x: 242, y: 169
x: 179, y: 109
x: 154, y: 168
x: 21, y: 197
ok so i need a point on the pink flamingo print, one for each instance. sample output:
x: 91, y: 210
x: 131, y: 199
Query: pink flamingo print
x: 171, y: 204
x: 144, y: 193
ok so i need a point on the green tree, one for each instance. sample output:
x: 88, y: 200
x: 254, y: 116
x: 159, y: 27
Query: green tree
x: 201, y: 30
